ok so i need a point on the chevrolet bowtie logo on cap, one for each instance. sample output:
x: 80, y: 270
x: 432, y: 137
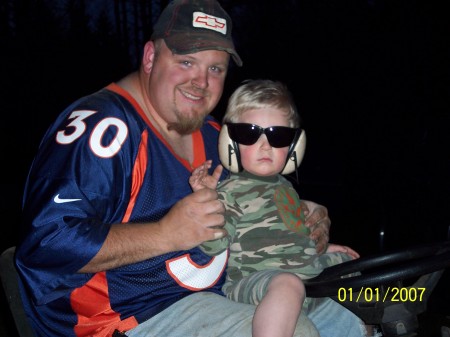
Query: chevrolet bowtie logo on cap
x: 210, y: 22
x: 190, y: 26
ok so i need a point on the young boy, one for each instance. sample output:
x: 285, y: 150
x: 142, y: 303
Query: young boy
x: 270, y: 249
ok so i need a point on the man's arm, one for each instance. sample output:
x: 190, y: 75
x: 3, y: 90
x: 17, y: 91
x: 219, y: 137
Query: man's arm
x: 201, y: 216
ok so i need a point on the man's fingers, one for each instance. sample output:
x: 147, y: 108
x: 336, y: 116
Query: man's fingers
x: 214, y: 207
x: 320, y: 228
x: 320, y: 234
x: 321, y: 245
x: 219, y: 234
x: 319, y: 215
x: 203, y: 195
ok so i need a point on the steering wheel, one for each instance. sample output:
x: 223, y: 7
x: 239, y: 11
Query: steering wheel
x: 376, y: 287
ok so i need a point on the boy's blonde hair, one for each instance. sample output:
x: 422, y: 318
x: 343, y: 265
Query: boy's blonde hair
x: 259, y: 94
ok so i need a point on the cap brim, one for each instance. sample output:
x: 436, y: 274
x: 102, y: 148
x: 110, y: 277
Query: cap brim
x: 188, y: 43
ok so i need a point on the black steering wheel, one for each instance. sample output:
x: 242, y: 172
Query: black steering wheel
x: 383, y: 289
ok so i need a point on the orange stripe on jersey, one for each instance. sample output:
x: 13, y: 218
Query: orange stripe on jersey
x: 139, y: 168
x: 95, y: 315
x: 199, y: 152
x: 215, y: 125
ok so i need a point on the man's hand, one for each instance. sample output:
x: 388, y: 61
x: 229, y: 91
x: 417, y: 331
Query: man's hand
x: 318, y: 221
x: 194, y: 219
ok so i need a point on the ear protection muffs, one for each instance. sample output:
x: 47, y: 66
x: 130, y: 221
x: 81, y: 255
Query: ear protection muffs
x: 231, y: 160
x: 229, y: 151
x: 295, y: 153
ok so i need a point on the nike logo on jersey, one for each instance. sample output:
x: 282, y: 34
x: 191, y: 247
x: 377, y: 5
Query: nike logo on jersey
x: 58, y: 200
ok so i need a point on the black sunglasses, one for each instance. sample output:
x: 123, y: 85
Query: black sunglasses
x: 248, y: 134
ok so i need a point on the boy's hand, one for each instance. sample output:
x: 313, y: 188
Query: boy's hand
x: 200, y: 178
x: 333, y: 248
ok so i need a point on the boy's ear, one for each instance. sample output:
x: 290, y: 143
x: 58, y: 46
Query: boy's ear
x: 295, y: 153
x: 229, y: 151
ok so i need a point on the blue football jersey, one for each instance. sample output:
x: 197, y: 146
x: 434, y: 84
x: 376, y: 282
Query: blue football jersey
x: 102, y: 163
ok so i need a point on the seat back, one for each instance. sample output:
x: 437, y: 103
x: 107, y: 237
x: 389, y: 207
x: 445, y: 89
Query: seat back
x: 10, y: 283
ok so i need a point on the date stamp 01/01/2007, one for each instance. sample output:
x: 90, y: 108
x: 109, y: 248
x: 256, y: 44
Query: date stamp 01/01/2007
x: 392, y: 294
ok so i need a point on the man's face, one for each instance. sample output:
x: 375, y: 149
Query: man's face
x: 186, y: 88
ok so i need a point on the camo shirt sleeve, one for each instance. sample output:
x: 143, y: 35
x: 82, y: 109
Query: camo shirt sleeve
x: 232, y: 215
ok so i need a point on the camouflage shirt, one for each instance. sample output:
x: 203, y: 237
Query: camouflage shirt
x: 266, y: 230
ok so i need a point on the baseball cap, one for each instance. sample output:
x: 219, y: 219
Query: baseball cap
x: 190, y: 26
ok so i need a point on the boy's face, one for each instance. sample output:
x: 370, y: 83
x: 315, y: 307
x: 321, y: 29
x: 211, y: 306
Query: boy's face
x: 260, y: 158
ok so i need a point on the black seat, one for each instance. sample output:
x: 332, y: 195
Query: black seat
x: 8, y: 275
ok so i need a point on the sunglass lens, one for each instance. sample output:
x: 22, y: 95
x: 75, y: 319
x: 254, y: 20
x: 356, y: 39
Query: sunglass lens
x: 280, y: 136
x: 244, y: 133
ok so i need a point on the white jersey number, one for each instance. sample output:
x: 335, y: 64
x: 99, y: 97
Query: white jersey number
x: 95, y: 140
x: 195, y: 277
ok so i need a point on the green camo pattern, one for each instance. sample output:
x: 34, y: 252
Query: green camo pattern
x: 266, y: 231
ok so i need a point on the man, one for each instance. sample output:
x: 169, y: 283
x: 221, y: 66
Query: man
x: 111, y: 227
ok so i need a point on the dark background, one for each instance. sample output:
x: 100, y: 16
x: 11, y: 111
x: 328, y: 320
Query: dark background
x: 371, y: 79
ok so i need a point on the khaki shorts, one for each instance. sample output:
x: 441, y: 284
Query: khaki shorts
x: 207, y: 314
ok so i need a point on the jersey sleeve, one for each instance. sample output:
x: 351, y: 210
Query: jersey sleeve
x: 75, y: 191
